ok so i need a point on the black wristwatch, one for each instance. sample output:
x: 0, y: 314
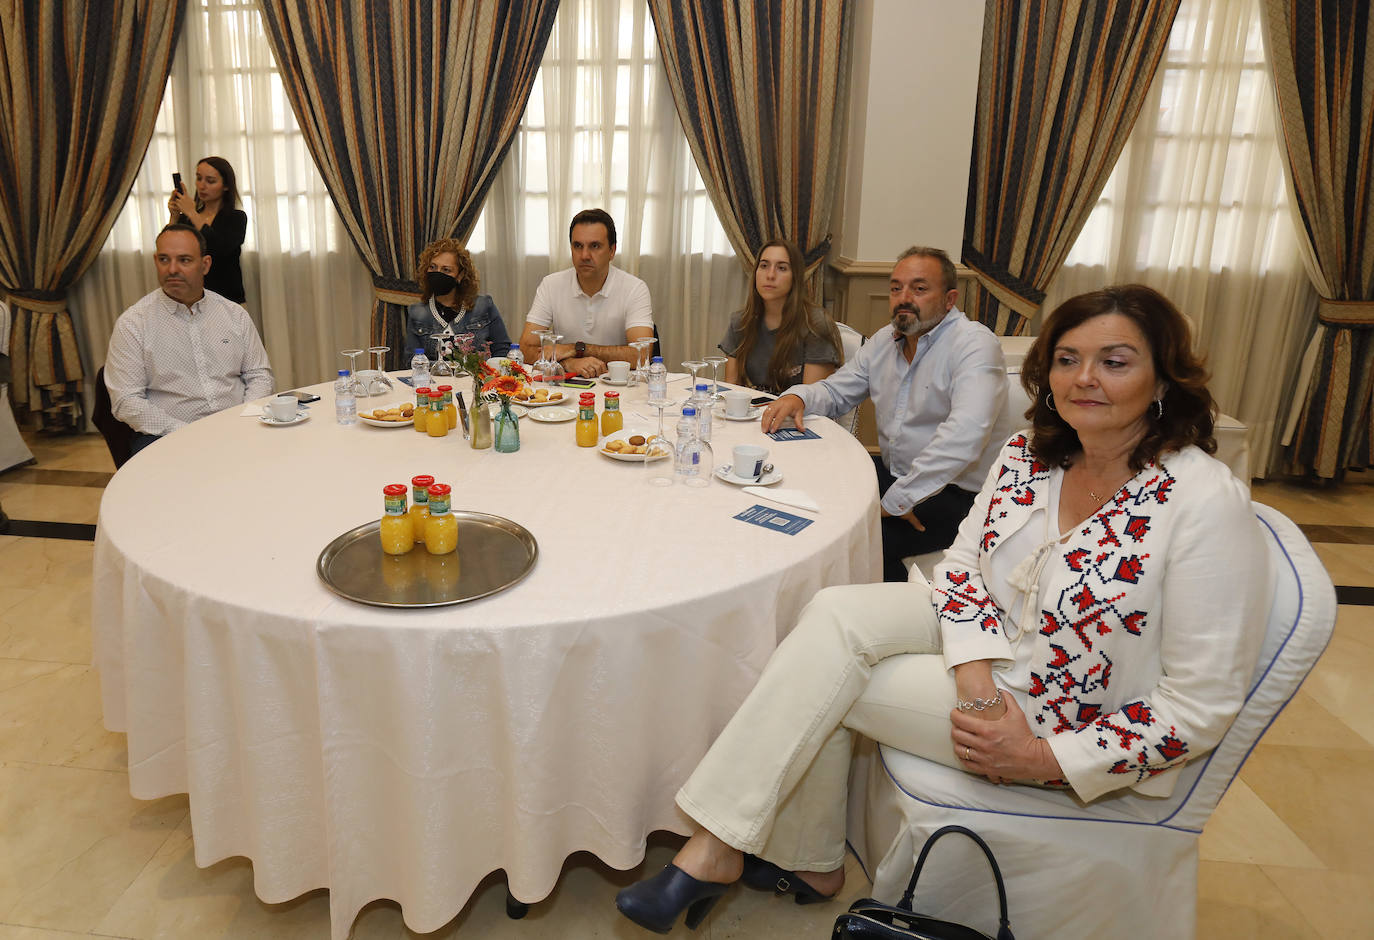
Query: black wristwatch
x: 580, y: 350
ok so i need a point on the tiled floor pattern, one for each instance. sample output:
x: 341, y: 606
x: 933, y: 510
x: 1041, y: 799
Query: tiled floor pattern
x: 1287, y: 853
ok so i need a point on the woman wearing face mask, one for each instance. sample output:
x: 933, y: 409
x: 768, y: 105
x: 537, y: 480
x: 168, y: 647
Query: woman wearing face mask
x: 214, y: 210
x: 449, y: 303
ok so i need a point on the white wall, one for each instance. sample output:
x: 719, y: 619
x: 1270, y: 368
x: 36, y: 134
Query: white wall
x: 912, y: 94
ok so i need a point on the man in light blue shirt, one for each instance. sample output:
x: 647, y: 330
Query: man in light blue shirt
x: 939, y: 387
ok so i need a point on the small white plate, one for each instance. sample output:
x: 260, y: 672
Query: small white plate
x: 377, y: 423
x: 625, y: 435
x: 272, y: 422
x: 724, y: 475
x: 753, y: 414
x: 516, y: 408
x: 607, y: 380
x: 553, y: 415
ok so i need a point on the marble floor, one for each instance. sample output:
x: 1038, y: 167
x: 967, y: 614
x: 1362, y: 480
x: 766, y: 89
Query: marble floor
x: 1287, y: 853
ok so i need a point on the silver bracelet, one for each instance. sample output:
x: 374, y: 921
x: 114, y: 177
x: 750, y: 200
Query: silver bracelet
x: 979, y: 704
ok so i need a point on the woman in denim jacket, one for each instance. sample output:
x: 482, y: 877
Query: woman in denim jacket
x: 450, y: 305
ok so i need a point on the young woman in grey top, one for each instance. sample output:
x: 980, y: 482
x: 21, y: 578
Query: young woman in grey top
x: 778, y: 339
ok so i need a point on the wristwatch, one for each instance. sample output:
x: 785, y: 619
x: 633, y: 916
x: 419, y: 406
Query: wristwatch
x: 580, y: 350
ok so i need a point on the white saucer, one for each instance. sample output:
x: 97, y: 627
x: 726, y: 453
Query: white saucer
x: 724, y: 475
x: 553, y: 415
x: 517, y: 409
x: 272, y: 422
x: 753, y: 414
x: 607, y: 380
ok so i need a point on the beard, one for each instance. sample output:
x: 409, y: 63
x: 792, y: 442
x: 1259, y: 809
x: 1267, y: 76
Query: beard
x: 911, y: 324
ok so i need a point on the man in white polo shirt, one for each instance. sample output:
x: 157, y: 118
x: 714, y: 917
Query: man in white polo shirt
x: 182, y: 352
x: 597, y: 309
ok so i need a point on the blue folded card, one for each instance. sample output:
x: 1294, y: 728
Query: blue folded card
x: 774, y: 519
x: 792, y: 434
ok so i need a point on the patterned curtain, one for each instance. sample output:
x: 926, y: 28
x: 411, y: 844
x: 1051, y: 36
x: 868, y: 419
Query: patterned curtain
x: 1060, y: 86
x: 761, y: 89
x: 80, y: 88
x: 1322, y: 54
x: 408, y: 108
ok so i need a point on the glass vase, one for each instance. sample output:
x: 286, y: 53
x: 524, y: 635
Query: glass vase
x: 479, y: 415
x: 507, y: 431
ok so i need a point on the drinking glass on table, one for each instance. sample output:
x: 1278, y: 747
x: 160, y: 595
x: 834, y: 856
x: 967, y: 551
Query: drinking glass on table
x: 694, y: 366
x: 359, y: 386
x: 641, y: 347
x: 379, y: 384
x: 549, y: 366
x: 658, y: 452
x: 715, y: 362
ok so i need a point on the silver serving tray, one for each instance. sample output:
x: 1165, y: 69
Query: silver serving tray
x: 493, y: 553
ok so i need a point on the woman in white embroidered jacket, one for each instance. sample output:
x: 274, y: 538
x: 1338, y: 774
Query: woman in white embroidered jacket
x: 1094, y: 626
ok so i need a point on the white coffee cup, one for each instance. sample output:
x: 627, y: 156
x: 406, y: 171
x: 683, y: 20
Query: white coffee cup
x: 281, y: 408
x: 748, y: 460
x: 737, y: 403
x: 619, y: 371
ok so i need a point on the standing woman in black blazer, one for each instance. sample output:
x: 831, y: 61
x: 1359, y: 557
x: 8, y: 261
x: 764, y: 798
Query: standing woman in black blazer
x: 214, y: 210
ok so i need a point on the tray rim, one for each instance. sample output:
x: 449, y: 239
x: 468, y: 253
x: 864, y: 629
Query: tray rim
x: 372, y: 527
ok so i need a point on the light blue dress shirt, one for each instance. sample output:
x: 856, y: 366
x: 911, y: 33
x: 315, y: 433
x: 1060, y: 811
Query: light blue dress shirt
x: 939, y: 416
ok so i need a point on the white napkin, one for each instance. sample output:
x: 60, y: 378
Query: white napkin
x: 796, y: 498
x: 251, y: 410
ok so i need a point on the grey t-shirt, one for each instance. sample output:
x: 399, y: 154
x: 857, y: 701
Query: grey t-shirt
x: 814, y: 349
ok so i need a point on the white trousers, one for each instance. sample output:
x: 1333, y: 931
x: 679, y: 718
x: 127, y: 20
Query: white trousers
x: 862, y: 658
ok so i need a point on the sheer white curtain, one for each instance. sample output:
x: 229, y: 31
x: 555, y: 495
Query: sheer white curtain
x: 1197, y: 208
x: 306, y: 287
x: 601, y: 130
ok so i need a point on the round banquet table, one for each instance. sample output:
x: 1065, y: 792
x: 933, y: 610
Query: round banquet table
x: 407, y: 753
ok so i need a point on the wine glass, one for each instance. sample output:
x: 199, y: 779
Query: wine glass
x: 641, y: 347
x: 359, y: 386
x: 659, y: 452
x: 548, y: 355
x: 715, y: 362
x: 694, y: 366
x: 441, y: 368
x: 380, y: 384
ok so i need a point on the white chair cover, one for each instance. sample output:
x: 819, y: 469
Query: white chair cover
x: 1123, y: 866
x: 851, y: 339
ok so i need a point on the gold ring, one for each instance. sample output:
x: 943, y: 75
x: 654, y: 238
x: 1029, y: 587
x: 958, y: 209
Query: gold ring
x: 967, y: 753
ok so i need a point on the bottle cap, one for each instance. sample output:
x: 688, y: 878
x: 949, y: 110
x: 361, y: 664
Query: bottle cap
x: 688, y: 411
x: 440, y: 489
x: 423, y: 479
x: 610, y: 395
x: 394, y: 489
x: 445, y: 388
x: 702, y: 386
x: 658, y: 359
x: 343, y: 373
x: 420, y: 351
x: 422, y: 390
x: 435, y: 394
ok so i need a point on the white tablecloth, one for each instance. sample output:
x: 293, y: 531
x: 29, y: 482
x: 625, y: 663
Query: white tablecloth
x: 405, y: 754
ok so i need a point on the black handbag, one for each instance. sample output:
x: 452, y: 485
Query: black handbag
x: 866, y: 919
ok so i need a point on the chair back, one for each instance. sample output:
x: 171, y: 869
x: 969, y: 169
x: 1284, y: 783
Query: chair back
x: 850, y: 341
x: 118, y: 435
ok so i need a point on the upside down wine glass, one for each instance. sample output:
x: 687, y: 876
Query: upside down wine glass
x: 641, y: 347
x: 715, y: 362
x: 658, y: 452
x: 379, y: 384
x: 359, y: 386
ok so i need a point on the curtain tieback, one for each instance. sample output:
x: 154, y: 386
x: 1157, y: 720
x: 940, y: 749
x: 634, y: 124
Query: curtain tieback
x: 395, y: 290
x: 1009, y: 289
x: 1345, y: 312
x: 39, y: 301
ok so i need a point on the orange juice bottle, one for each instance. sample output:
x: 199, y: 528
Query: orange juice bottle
x: 612, y: 418
x: 586, y: 420
x: 421, y: 408
x: 419, y: 503
x: 450, y: 412
x: 441, y: 529
x: 436, y: 422
x: 398, y: 535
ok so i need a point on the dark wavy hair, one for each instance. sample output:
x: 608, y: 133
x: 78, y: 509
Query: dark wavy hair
x: 468, y: 281
x: 1188, y: 408
x: 800, y: 320
x: 230, y: 199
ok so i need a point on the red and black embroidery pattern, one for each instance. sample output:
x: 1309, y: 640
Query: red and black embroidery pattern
x: 1109, y: 554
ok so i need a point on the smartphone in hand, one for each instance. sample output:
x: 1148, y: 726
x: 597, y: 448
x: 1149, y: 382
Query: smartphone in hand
x: 176, y: 183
